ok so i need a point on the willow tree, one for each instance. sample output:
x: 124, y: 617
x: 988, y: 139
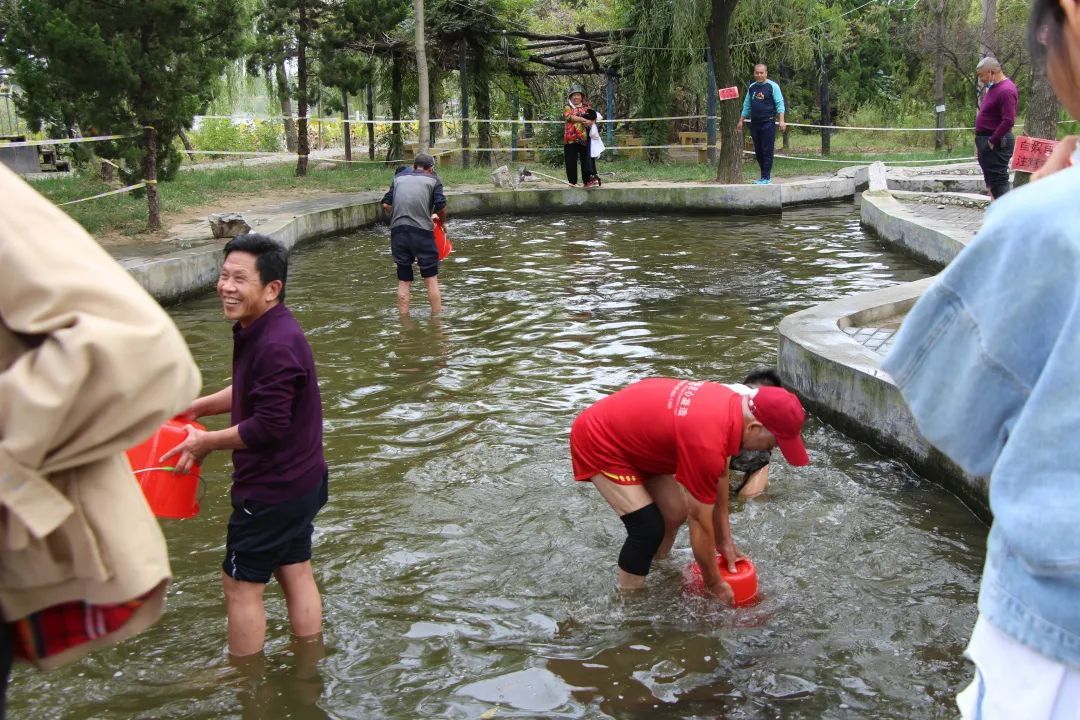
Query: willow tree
x: 651, y: 68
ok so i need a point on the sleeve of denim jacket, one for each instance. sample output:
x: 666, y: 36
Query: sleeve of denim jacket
x: 964, y: 400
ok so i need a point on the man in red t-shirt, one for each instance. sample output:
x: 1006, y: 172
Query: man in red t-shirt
x: 658, y: 452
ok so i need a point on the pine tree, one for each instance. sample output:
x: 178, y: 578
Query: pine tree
x: 142, y: 68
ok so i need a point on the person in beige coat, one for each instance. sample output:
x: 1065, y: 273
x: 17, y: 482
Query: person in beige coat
x: 90, y: 365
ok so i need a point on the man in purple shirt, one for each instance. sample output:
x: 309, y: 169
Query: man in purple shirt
x: 993, y: 126
x: 279, y: 472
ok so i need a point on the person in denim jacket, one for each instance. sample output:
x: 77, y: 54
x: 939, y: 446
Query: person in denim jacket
x: 989, y: 362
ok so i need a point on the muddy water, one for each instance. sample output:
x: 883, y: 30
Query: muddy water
x: 464, y: 570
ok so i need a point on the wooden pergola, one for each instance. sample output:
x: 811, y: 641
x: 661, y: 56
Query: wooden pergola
x: 586, y: 53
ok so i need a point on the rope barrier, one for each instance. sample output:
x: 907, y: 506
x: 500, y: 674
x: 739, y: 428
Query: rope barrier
x: 127, y: 189
x: 64, y: 141
x: 606, y: 121
x: 440, y: 153
x: 934, y: 161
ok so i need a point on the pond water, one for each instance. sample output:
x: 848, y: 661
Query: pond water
x: 463, y: 569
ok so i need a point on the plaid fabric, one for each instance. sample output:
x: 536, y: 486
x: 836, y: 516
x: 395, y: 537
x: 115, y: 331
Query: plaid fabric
x: 55, y: 629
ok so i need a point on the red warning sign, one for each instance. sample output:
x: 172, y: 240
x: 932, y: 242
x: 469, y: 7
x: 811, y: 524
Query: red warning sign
x: 1031, y: 153
x: 728, y: 93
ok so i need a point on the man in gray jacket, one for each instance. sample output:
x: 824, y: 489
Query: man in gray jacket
x: 415, y: 201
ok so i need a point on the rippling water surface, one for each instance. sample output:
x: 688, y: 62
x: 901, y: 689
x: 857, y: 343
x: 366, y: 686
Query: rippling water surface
x: 462, y: 568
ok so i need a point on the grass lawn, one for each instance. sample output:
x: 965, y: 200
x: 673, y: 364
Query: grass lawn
x: 126, y: 214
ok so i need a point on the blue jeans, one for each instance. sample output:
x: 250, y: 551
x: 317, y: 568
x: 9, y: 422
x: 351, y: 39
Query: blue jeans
x: 764, y: 134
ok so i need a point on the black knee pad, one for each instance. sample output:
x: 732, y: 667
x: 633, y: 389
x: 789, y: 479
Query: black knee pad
x: 644, y: 533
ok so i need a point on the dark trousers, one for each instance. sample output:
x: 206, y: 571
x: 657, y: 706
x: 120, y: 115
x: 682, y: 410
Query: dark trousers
x: 995, y: 162
x: 764, y: 134
x: 572, y: 152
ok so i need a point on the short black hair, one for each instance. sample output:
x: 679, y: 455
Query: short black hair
x: 271, y: 257
x: 763, y: 377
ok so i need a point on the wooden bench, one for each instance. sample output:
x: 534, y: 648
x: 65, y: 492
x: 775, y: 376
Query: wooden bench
x: 526, y: 147
x: 636, y: 153
x: 693, y: 138
x: 703, y: 151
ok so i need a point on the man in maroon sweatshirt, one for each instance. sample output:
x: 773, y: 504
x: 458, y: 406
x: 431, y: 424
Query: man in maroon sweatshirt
x: 993, y: 126
x: 275, y: 433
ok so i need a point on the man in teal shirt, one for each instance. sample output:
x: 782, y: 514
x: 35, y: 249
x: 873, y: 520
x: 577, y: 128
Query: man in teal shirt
x: 763, y: 105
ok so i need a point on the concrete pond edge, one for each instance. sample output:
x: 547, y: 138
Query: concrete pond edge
x: 843, y: 383
x: 186, y: 272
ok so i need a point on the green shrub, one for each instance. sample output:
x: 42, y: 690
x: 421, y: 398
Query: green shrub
x: 220, y: 134
x: 269, y: 135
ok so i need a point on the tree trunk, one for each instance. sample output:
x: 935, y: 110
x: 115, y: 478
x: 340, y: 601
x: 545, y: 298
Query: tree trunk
x: 286, y: 106
x: 346, y: 125
x: 423, y: 135
x: 463, y: 70
x: 396, y: 151
x: 729, y: 167
x: 302, y: 147
x: 153, y: 202
x: 987, y: 42
x: 1043, y: 111
x: 187, y: 145
x: 482, y: 99
x: 710, y: 104
x: 939, y: 73
x: 371, y: 121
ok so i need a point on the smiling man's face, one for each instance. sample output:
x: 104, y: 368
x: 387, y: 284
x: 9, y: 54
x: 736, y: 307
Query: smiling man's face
x: 244, y: 297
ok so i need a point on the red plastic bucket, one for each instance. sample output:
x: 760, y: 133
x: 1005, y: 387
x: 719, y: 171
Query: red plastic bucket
x: 442, y: 243
x: 170, y: 494
x: 743, y: 581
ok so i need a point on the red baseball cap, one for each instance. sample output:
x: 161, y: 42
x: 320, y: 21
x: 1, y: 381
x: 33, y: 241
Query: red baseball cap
x: 782, y: 414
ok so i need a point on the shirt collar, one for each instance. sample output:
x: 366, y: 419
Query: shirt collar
x: 256, y: 328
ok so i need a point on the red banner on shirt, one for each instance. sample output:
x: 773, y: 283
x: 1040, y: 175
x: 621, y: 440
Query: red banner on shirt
x: 728, y: 93
x: 1031, y: 153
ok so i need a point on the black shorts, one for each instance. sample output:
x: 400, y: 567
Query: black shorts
x: 410, y: 244
x: 264, y: 536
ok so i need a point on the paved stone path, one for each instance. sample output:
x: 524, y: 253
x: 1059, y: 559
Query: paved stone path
x: 879, y: 339
x: 957, y: 216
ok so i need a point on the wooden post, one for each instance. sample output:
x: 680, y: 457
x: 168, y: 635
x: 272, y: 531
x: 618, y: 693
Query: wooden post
x: 371, y: 121
x: 515, y: 109
x: 347, y: 125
